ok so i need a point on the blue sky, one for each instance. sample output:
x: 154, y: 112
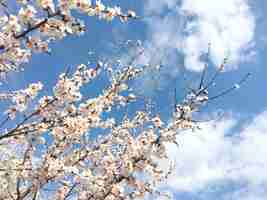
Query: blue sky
x: 226, y: 160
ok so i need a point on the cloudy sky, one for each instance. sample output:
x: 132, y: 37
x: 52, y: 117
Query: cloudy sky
x: 226, y: 159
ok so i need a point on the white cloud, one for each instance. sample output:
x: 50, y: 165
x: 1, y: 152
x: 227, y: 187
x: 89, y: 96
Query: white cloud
x: 228, y: 25
x: 216, y: 155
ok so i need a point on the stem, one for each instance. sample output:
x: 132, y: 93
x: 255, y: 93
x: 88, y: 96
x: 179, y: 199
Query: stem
x: 226, y: 91
x: 36, y: 26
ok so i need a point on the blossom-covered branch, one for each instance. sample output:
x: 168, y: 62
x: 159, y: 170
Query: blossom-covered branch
x: 78, y: 166
x: 68, y: 146
x: 38, y: 23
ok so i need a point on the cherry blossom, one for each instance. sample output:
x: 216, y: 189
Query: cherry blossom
x: 34, y: 25
x: 48, y: 147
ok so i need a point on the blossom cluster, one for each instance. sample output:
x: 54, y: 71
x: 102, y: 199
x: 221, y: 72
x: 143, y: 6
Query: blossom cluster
x: 20, y: 99
x: 50, y: 151
x: 37, y: 23
x: 121, y: 164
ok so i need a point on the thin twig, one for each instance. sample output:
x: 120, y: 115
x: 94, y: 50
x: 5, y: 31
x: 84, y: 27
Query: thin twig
x: 234, y: 87
x: 204, y: 70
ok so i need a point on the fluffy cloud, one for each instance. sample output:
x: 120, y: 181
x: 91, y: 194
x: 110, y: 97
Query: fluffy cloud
x: 215, y: 160
x: 190, y: 25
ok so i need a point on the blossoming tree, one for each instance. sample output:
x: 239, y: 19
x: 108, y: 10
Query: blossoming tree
x: 48, y: 154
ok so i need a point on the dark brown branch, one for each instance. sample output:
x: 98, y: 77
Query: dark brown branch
x: 36, y: 112
x: 70, y: 191
x: 36, y: 26
x: 57, y: 13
